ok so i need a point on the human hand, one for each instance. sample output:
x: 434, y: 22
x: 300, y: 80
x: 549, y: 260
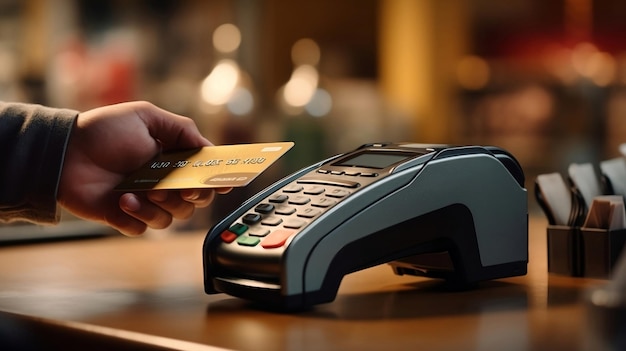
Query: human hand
x: 107, y: 144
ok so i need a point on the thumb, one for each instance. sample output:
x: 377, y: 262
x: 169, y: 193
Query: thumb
x: 173, y: 131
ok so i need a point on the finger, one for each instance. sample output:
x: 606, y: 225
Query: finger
x: 198, y: 197
x: 128, y: 226
x: 172, y: 202
x: 172, y: 130
x: 124, y: 223
x: 145, y: 211
x: 223, y: 190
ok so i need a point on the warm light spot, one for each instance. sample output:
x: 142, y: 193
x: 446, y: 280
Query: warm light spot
x: 305, y: 52
x: 218, y: 87
x: 301, y: 86
x: 602, y: 68
x: 581, y: 56
x: 226, y: 38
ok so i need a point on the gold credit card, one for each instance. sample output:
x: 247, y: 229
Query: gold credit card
x: 207, y: 167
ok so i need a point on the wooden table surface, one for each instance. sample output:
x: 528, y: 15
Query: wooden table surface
x: 147, y: 293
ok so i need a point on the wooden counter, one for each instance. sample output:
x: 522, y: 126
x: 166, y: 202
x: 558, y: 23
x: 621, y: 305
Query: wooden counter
x: 147, y: 293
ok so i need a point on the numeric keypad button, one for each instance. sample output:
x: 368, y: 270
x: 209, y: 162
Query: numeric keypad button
x: 299, y: 200
x: 272, y: 221
x: 338, y: 193
x: 323, y: 202
x: 309, y: 212
x: 294, y: 223
x: 251, y: 218
x: 285, y: 210
x: 258, y: 232
x: 293, y: 188
x: 278, y: 198
x: 264, y: 208
x: 314, y: 190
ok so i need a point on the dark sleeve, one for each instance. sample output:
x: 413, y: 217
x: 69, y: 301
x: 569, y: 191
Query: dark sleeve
x: 33, y: 140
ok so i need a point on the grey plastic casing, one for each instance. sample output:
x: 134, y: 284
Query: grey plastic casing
x: 453, y: 212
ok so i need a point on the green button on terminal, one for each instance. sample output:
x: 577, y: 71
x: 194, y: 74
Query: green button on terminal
x: 248, y: 240
x: 238, y: 228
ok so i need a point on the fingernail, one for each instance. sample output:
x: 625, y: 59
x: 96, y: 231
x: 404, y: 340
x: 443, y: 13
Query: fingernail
x: 193, y: 195
x: 132, y: 204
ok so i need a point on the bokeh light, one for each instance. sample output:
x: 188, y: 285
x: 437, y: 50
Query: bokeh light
x: 218, y: 87
x: 226, y: 38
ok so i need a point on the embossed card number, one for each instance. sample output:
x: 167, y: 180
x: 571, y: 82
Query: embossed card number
x: 207, y: 167
x: 183, y: 163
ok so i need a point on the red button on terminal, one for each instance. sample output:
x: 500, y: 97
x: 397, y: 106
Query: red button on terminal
x: 276, y: 238
x: 228, y: 236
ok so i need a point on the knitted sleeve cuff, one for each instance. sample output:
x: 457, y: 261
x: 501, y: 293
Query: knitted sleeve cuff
x: 34, y: 139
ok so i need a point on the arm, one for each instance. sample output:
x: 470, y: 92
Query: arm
x: 33, y: 140
x: 82, y: 158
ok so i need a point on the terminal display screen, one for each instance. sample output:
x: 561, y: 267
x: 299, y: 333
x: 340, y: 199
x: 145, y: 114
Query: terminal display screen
x: 377, y: 160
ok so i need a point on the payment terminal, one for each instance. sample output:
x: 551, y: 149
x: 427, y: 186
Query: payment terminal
x: 452, y: 212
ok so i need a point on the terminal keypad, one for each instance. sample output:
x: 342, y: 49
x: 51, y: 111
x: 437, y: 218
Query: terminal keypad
x: 274, y: 220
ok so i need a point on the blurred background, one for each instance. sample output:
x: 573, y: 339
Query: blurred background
x: 545, y: 80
